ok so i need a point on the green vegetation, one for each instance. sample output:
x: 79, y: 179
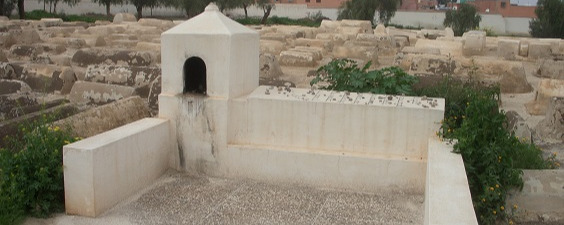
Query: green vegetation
x: 365, y: 10
x: 493, y: 156
x: 31, y: 172
x: 281, y: 21
x: 550, y: 20
x: 463, y: 19
x: 345, y: 75
x: 38, y: 14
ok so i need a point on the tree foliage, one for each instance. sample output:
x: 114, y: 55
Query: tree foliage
x: 6, y: 7
x: 463, y: 19
x: 365, y: 10
x: 107, y: 4
x: 140, y: 4
x: 550, y: 19
x: 191, y: 7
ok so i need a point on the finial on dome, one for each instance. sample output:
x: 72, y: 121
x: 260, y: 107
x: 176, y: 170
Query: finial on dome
x: 212, y: 7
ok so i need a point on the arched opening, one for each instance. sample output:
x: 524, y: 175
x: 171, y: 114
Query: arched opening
x: 195, y: 76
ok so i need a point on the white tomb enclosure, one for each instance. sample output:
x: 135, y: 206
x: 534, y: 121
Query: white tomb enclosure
x: 216, y: 120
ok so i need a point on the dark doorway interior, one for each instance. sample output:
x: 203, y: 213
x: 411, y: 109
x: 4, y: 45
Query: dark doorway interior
x: 195, y: 76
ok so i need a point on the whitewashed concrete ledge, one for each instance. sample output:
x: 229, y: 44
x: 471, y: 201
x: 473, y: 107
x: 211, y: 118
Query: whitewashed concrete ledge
x: 102, y: 170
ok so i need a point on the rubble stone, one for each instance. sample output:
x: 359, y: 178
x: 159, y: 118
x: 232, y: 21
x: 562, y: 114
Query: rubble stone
x: 551, y: 128
x: 547, y: 89
x: 548, y: 68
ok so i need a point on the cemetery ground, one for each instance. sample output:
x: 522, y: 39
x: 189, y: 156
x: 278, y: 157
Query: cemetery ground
x: 94, y: 77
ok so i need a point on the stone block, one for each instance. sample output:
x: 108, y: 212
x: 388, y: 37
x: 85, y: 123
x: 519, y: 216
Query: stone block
x: 296, y: 58
x: 508, y: 49
x: 540, y: 50
x: 25, y: 36
x: 274, y: 37
x: 51, y: 49
x: 13, y: 86
x: 161, y: 24
x: 85, y: 57
x: 7, y: 71
x: 272, y: 47
x: 106, y: 30
x: 546, y: 90
x: 364, y: 24
x: 124, y: 17
x: 148, y: 46
x: 70, y: 42
x: 3, y: 57
x: 137, y: 77
x: 329, y: 25
x: 548, y: 68
x: 324, y: 36
x: 269, y: 67
x: 7, y: 39
x: 474, y: 43
x: 315, y: 51
x: 449, y: 33
x: 103, y: 118
x: 98, y: 93
x: 327, y: 45
x: 52, y: 22
x: 25, y: 52
x: 517, y: 125
x: 424, y: 50
x: 524, y: 48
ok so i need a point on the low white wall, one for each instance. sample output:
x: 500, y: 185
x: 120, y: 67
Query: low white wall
x: 378, y: 125
x: 447, y: 195
x: 102, y: 170
x: 434, y: 20
x: 88, y: 6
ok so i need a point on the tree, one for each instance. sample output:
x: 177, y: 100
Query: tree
x: 68, y: 2
x: 463, y: 19
x: 232, y: 4
x: 550, y: 19
x: 139, y: 4
x: 6, y: 7
x: 267, y: 6
x: 107, y: 3
x: 21, y: 10
x: 365, y: 10
x: 191, y: 7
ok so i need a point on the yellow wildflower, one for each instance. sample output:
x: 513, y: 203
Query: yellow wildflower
x: 56, y: 128
x: 497, y: 186
x: 494, y: 212
x: 502, y: 208
x: 511, y: 222
x: 67, y: 142
x: 483, y: 200
x: 515, y: 206
x: 491, y: 188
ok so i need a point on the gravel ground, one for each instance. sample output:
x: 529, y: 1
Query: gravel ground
x: 179, y: 198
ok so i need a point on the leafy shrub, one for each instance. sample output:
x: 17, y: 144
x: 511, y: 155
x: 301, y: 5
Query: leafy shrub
x: 493, y: 156
x: 308, y: 22
x: 39, y: 14
x: 463, y: 19
x: 31, y: 174
x: 345, y: 75
x: 549, y: 22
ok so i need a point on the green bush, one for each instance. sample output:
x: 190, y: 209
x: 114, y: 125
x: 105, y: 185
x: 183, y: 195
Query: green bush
x: 549, y: 22
x: 308, y: 22
x: 493, y: 156
x: 89, y: 18
x: 31, y: 174
x: 463, y: 19
x: 345, y: 75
